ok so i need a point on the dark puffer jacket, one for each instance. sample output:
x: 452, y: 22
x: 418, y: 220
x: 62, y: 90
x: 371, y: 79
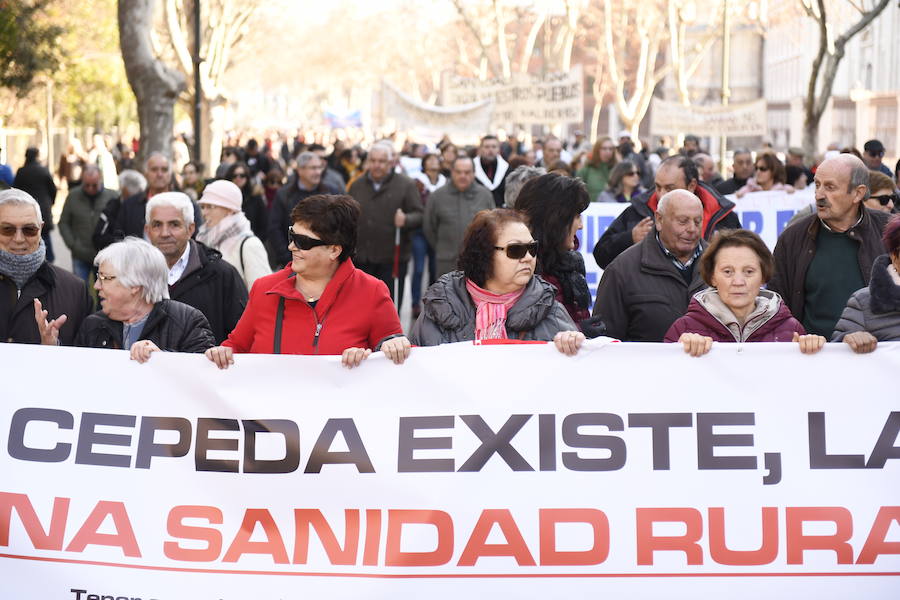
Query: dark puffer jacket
x: 875, y: 309
x: 172, y: 326
x: 770, y: 321
x: 60, y: 293
x: 448, y: 313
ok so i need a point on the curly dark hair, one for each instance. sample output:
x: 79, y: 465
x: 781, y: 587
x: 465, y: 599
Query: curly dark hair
x: 551, y: 202
x: 334, y: 218
x: 736, y: 238
x: 476, y: 259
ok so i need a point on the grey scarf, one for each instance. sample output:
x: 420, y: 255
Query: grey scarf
x: 22, y: 267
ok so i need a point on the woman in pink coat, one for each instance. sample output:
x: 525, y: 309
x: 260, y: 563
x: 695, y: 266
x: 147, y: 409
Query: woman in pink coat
x: 735, y: 308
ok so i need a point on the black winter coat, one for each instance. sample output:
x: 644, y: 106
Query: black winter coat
x: 642, y: 293
x: 617, y: 238
x: 35, y: 179
x: 213, y: 287
x: 171, y: 325
x: 60, y: 293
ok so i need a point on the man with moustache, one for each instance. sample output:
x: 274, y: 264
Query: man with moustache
x: 825, y: 257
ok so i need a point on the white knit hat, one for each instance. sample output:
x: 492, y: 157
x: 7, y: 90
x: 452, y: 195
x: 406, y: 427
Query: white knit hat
x: 222, y: 193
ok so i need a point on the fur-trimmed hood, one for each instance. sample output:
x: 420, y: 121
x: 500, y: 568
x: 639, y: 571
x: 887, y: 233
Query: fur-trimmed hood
x: 883, y: 286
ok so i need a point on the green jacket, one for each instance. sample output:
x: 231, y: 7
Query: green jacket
x: 79, y: 219
x: 596, y: 179
x: 447, y: 216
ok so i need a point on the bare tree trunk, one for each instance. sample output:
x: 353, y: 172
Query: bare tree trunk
x: 830, y: 52
x: 155, y: 85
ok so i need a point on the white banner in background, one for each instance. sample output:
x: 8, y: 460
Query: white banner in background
x: 524, y: 99
x: 772, y: 475
x: 673, y: 118
x: 466, y: 120
x: 765, y: 213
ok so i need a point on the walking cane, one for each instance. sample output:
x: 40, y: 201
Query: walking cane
x: 395, y: 271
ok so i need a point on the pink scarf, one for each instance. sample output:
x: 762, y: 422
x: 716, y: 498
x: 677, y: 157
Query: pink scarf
x: 490, y: 311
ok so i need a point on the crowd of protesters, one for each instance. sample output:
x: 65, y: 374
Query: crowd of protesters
x: 303, y: 249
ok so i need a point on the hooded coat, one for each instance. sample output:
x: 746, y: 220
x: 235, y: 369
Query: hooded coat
x: 707, y: 314
x: 448, y: 313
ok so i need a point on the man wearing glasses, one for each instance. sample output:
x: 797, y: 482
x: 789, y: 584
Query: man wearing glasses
x: 28, y: 283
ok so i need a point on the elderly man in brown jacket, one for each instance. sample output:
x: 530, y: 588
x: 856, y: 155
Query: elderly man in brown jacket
x: 389, y: 202
x: 822, y: 259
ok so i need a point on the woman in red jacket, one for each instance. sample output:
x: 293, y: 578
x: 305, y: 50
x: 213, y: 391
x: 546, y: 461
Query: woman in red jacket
x: 320, y: 303
x: 734, y: 308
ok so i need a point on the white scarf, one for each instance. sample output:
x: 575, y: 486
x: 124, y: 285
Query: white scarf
x: 427, y: 182
x: 226, y: 233
x: 481, y: 176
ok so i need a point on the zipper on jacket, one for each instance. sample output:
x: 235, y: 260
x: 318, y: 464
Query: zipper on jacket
x: 315, y: 342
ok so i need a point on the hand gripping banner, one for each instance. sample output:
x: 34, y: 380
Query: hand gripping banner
x: 629, y: 470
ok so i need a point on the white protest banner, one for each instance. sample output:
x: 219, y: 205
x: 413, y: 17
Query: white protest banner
x: 470, y: 471
x: 764, y: 213
x: 673, y: 118
x: 467, y: 120
x: 524, y: 99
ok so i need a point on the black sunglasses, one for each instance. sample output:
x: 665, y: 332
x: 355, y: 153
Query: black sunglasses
x: 762, y: 168
x: 517, y: 250
x: 304, y: 242
x: 885, y: 198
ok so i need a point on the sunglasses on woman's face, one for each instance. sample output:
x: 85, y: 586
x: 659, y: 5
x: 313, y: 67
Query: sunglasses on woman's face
x: 885, y: 198
x: 240, y: 176
x: 517, y: 250
x: 29, y: 231
x: 304, y: 242
x: 762, y: 168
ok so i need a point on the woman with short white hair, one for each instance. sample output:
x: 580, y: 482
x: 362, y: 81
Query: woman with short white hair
x: 135, y: 310
x: 227, y: 229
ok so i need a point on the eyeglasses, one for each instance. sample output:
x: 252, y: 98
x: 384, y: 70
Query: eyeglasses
x: 885, y: 198
x: 104, y: 278
x: 517, y: 250
x: 632, y: 173
x: 29, y: 231
x: 304, y: 242
x: 762, y: 168
x: 240, y: 176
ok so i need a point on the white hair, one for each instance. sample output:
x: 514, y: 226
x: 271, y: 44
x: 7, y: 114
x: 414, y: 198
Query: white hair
x: 133, y: 181
x: 385, y: 146
x: 669, y: 196
x: 19, y: 197
x: 138, y: 264
x: 177, y: 200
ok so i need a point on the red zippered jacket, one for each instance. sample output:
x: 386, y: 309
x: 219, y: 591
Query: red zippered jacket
x: 355, y: 311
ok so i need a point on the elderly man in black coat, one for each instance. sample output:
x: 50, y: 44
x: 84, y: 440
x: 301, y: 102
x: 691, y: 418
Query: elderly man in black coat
x: 28, y: 283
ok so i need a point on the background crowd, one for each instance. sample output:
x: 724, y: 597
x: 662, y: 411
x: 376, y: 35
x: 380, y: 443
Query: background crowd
x: 297, y: 248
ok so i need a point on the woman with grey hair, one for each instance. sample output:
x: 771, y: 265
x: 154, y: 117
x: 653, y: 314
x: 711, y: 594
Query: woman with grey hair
x: 135, y: 310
